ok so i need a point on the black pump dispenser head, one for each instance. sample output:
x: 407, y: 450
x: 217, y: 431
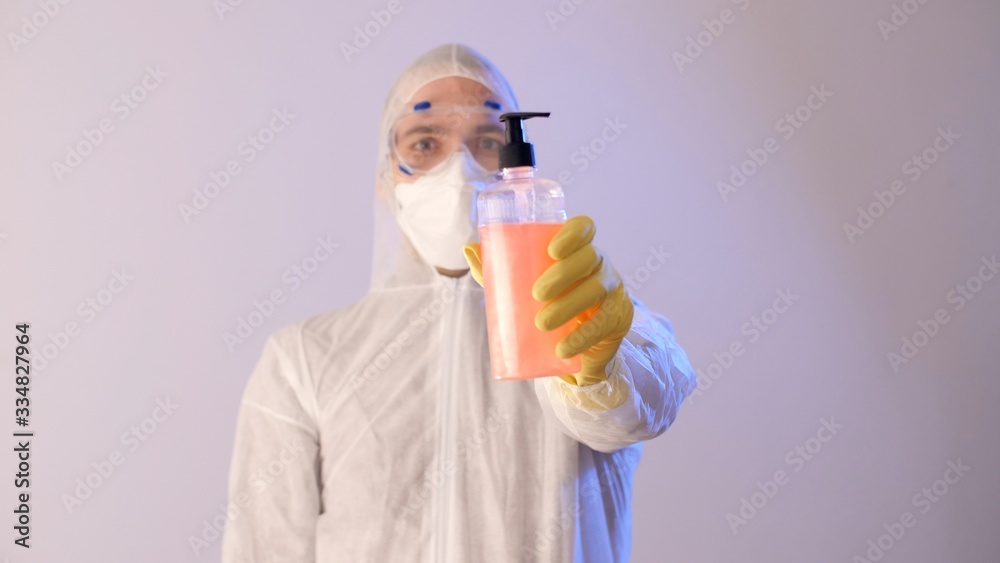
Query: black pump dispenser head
x: 516, y: 152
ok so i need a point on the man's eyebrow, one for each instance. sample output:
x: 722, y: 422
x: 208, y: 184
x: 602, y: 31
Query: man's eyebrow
x: 489, y: 128
x: 438, y: 130
x: 422, y: 130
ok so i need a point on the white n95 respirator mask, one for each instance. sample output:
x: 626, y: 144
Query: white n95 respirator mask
x: 437, y: 211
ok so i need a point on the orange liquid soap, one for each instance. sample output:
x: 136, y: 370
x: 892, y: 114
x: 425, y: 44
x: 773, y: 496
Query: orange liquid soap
x: 514, y: 256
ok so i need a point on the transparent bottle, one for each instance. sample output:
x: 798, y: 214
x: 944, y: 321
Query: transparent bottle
x: 518, y: 216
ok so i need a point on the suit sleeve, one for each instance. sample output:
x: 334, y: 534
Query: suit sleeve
x: 274, y: 490
x: 649, y: 378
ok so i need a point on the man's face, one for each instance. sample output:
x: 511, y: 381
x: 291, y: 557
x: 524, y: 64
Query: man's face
x: 427, y: 139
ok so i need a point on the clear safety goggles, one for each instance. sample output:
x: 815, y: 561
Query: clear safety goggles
x: 426, y: 136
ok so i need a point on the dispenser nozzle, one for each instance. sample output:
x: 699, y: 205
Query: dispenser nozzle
x: 516, y: 152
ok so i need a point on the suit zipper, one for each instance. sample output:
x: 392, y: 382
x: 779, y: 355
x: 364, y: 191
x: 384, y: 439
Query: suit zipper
x: 450, y: 335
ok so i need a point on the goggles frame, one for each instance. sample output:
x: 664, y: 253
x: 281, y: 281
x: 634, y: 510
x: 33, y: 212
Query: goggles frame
x: 457, y: 112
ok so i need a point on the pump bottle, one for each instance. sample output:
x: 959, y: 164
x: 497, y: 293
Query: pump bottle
x: 518, y: 216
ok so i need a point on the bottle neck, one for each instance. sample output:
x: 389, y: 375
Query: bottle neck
x: 518, y: 172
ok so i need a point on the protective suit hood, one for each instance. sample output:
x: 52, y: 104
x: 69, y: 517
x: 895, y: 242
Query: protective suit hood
x: 395, y: 262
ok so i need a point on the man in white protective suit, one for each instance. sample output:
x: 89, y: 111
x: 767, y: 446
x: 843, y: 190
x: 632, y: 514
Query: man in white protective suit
x: 375, y: 433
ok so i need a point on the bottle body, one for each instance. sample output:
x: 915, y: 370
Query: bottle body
x: 518, y: 216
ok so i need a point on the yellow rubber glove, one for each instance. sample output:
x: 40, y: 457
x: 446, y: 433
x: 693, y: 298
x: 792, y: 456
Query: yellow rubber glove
x: 582, y: 283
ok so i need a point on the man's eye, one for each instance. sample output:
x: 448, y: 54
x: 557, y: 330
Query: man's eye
x: 488, y: 144
x: 424, y: 145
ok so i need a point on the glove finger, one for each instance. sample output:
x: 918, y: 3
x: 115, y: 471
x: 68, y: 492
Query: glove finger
x: 558, y: 312
x: 576, y: 233
x: 587, y: 335
x: 472, y: 254
x: 564, y: 273
x: 604, y: 328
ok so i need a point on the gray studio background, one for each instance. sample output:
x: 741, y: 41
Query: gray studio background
x: 812, y: 444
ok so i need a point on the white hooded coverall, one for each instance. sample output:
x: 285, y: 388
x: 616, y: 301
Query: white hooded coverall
x: 375, y: 433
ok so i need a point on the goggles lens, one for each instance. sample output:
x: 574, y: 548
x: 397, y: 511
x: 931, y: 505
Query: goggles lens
x: 424, y: 138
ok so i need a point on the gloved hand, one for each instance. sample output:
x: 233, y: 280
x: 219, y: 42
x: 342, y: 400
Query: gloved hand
x: 581, y: 282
